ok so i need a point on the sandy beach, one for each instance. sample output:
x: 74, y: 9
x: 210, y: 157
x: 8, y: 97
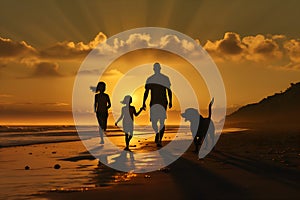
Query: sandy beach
x: 248, y: 164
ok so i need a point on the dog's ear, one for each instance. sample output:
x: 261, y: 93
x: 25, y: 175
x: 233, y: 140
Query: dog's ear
x: 183, y: 115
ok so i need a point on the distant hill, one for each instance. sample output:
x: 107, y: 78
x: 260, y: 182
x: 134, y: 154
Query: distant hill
x: 283, y: 107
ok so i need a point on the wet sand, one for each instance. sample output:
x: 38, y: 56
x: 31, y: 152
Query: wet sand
x: 250, y: 164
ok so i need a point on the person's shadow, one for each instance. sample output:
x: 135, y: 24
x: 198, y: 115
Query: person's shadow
x: 124, y: 162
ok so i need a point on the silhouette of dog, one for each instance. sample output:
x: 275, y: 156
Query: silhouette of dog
x: 200, y: 126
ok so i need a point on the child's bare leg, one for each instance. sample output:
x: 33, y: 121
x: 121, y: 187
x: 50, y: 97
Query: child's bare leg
x: 126, y: 141
x: 129, y: 137
x: 101, y: 135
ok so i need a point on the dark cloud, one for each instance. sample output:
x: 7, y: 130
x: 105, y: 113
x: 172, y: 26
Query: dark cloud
x: 9, y: 48
x: 46, y: 69
x: 249, y: 48
x: 231, y: 44
x: 265, y: 47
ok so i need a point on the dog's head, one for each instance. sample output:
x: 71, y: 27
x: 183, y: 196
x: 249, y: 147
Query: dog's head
x: 190, y: 114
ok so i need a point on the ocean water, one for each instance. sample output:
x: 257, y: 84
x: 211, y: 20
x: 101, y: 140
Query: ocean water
x: 11, y: 136
x: 28, y: 135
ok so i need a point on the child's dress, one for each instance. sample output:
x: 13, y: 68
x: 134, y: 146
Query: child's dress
x: 127, y: 119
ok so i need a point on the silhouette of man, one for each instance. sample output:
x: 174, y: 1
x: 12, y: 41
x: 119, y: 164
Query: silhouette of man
x: 159, y: 85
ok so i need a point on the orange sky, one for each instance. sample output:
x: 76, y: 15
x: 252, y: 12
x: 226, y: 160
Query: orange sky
x: 42, y: 45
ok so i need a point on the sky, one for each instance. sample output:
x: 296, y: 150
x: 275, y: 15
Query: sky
x: 255, y: 45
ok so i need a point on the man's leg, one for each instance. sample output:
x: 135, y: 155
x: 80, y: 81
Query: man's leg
x: 162, y: 129
x: 155, y: 128
x: 156, y: 138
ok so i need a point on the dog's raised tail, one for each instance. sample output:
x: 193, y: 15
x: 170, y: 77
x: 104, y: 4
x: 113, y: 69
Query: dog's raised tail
x: 209, y: 107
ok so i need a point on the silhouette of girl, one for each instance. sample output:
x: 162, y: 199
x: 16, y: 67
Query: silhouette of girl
x: 101, y: 106
x: 127, y: 113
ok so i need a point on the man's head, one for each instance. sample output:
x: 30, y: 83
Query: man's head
x: 156, y: 68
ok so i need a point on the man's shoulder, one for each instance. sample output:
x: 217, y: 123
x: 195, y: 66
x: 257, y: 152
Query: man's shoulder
x: 157, y: 78
x: 165, y: 77
x: 150, y: 78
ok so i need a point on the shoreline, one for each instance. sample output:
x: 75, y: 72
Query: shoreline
x: 73, y: 133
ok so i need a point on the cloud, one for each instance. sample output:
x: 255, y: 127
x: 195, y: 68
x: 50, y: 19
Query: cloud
x: 293, y: 49
x: 231, y: 44
x: 107, y: 74
x: 228, y: 48
x: 269, y: 49
x: 89, y: 72
x: 9, y: 48
x: 257, y: 48
x: 46, y: 69
x: 44, y: 60
x: 100, y: 37
x: 113, y: 73
x: 139, y: 40
x: 135, y: 40
x: 289, y: 66
x: 278, y: 37
x: 260, y: 48
x: 56, y: 104
x: 12, y: 51
x: 71, y: 50
x: 110, y: 74
x: 173, y: 42
x: 64, y: 50
x: 142, y: 40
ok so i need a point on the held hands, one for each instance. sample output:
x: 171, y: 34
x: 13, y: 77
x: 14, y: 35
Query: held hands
x: 144, y: 107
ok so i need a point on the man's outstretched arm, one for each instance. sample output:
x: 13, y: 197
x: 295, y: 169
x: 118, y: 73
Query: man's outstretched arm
x: 145, y: 98
x: 170, y: 97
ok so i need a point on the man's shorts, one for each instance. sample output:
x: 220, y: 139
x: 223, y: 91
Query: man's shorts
x: 157, y: 112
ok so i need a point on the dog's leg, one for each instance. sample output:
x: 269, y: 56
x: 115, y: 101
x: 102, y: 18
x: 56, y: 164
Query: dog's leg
x: 212, y: 134
x: 212, y: 138
x: 206, y: 141
x: 196, y: 145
